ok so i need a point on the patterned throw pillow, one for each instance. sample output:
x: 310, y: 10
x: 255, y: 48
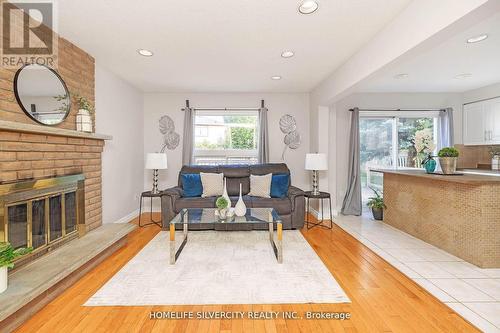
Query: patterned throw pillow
x: 260, y: 186
x: 213, y: 184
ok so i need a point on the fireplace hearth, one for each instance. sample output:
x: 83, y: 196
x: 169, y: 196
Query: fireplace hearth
x: 42, y: 214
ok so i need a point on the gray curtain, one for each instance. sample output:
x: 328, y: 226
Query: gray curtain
x: 445, y: 128
x: 263, y: 153
x: 187, y: 137
x: 352, y: 201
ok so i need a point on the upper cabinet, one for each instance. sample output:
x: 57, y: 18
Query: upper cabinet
x: 481, y: 123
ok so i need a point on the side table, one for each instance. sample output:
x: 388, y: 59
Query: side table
x: 150, y: 195
x: 308, y: 195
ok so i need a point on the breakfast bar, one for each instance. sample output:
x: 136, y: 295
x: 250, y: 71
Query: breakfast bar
x: 457, y: 213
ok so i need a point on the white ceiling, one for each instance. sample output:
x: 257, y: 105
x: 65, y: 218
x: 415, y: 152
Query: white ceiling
x: 436, y: 69
x: 223, y: 45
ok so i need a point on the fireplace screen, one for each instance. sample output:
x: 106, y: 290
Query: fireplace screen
x: 41, y: 213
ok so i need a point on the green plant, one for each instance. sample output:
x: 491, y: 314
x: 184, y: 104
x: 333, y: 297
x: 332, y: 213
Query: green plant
x: 448, y: 152
x: 84, y: 103
x: 8, y: 254
x: 221, y: 203
x: 377, y: 201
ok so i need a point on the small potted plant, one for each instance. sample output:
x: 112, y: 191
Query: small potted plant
x: 222, y: 204
x: 7, y: 257
x: 377, y: 205
x: 448, y: 160
x: 84, y: 115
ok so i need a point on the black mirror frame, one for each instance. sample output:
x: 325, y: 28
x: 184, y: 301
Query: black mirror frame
x: 18, y: 98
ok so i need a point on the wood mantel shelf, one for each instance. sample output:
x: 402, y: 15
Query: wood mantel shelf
x: 29, y: 128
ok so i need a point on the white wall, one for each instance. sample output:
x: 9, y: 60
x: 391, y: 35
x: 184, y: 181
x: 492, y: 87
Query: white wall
x: 340, y: 124
x: 119, y: 112
x: 482, y: 93
x: 158, y: 104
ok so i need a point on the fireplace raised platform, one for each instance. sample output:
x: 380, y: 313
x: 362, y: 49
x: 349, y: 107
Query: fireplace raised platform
x: 36, y: 284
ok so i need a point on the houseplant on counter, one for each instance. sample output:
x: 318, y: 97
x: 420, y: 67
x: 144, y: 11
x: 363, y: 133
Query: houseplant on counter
x: 222, y: 207
x: 377, y: 205
x: 84, y: 115
x: 448, y: 160
x: 7, y: 257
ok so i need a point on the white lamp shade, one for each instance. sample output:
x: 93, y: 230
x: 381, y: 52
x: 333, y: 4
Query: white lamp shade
x: 156, y: 161
x: 316, y: 162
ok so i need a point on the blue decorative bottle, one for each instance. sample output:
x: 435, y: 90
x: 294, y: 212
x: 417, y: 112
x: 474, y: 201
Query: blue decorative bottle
x: 429, y: 164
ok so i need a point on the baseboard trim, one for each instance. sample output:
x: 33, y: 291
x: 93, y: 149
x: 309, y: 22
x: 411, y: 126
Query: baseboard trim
x: 129, y: 217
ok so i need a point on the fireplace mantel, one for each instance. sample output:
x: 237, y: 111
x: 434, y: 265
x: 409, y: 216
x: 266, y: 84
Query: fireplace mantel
x: 38, y: 129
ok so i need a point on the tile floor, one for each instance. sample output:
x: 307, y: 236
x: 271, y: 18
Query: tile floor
x: 472, y: 292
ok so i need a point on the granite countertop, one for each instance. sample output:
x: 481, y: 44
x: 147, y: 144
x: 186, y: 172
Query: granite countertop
x: 470, y: 176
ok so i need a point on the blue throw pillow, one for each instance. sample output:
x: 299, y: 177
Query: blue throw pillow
x: 279, y: 185
x: 191, y: 184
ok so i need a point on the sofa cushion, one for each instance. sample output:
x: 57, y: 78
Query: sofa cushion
x: 197, y: 202
x: 264, y: 169
x: 246, y: 199
x: 233, y: 185
x: 191, y: 185
x: 260, y: 186
x: 282, y: 206
x: 212, y: 183
x: 279, y: 185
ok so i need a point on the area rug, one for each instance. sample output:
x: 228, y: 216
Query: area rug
x: 222, y: 268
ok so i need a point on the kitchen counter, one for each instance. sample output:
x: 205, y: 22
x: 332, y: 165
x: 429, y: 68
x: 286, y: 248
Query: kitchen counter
x: 459, y: 214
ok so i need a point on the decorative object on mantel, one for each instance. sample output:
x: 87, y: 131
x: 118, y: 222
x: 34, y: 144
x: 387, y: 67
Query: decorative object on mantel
x: 7, y: 257
x: 315, y: 163
x: 84, y: 116
x: 240, y: 208
x: 42, y: 94
x: 377, y: 205
x: 171, y: 138
x: 288, y: 126
x: 429, y: 164
x: 155, y: 162
x: 448, y: 160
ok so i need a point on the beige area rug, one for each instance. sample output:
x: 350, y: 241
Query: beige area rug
x: 222, y: 268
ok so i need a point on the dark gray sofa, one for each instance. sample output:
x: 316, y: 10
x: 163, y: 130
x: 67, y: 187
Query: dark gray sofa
x: 291, y: 208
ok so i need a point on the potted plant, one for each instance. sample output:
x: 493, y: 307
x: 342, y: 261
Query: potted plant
x: 7, y: 257
x: 377, y: 205
x: 84, y: 115
x: 448, y: 160
x: 222, y: 204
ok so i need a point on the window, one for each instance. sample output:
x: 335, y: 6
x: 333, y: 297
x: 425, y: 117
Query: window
x: 400, y: 140
x: 225, y: 137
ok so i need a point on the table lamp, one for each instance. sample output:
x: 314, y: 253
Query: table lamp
x: 315, y: 163
x: 156, y: 161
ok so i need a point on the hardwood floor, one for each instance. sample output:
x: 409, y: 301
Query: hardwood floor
x: 383, y: 299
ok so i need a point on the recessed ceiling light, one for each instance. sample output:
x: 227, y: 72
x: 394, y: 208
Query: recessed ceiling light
x: 287, y: 54
x: 476, y: 39
x: 463, y: 76
x: 308, y: 7
x: 401, y: 76
x: 145, y: 53
x: 276, y: 77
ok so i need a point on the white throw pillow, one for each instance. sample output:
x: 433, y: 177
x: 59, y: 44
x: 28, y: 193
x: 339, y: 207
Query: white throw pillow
x: 260, y: 186
x: 212, y: 183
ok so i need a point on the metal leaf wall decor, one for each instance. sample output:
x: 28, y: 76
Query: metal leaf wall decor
x: 170, y: 137
x: 288, y: 126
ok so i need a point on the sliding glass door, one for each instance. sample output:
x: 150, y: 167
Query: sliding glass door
x: 393, y: 141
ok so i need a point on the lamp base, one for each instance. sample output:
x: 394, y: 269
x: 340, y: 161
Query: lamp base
x: 315, y: 183
x: 155, y: 190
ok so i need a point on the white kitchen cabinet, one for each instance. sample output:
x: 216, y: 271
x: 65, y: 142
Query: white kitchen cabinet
x: 481, y: 123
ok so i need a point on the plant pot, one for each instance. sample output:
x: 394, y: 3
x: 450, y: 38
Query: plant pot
x: 223, y: 213
x: 448, y: 165
x: 378, y: 213
x: 3, y: 278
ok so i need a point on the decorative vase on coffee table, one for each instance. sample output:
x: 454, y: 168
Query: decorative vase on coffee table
x: 240, y: 208
x: 225, y: 195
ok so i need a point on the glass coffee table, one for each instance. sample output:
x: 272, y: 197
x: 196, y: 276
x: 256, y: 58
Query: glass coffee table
x: 191, y: 216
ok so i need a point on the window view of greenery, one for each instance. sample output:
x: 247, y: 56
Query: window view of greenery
x: 225, y: 132
x: 414, y: 141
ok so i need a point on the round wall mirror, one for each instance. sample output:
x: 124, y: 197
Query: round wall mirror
x: 42, y: 94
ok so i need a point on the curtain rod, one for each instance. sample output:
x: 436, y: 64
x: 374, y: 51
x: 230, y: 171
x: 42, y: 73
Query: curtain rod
x: 225, y: 109
x: 398, y: 110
